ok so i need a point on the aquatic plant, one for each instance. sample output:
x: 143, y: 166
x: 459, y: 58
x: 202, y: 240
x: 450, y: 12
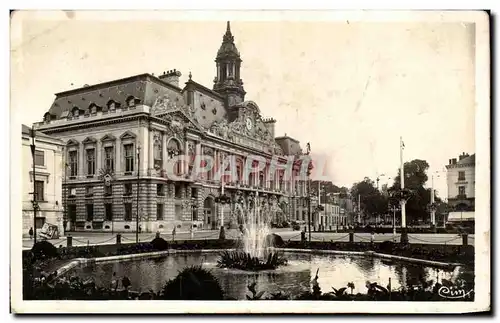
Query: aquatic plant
x: 245, y: 261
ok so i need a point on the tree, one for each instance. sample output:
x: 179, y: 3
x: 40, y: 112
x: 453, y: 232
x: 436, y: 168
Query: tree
x: 417, y: 207
x: 372, y: 201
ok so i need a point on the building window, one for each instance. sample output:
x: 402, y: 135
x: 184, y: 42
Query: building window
x: 261, y: 179
x: 128, y: 211
x: 194, y: 192
x: 90, y: 212
x: 157, y: 152
x: 89, y: 191
x: 194, y: 213
x: 72, y: 192
x: 39, y: 158
x: 461, y: 191
x: 108, y: 190
x: 127, y: 189
x: 109, y: 158
x: 39, y: 194
x: 178, y: 212
x: 131, y: 102
x: 461, y: 176
x: 72, y: 213
x: 108, y: 212
x: 159, y: 212
x: 73, y: 163
x: 90, y: 161
x: 178, y: 191
x: 129, y: 157
x: 160, y: 189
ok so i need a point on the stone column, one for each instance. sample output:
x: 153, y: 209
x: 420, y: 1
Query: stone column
x: 185, y: 163
x: 197, y: 157
x: 81, y: 160
x: 150, y: 163
x: 164, y: 155
x: 99, y: 157
x: 118, y: 164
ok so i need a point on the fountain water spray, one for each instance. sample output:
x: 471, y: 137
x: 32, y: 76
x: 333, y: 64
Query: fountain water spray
x: 256, y: 227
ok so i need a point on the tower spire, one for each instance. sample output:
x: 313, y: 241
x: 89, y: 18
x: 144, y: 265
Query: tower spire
x: 228, y: 81
x: 228, y: 36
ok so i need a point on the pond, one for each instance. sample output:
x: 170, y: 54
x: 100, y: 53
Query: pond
x: 293, y: 279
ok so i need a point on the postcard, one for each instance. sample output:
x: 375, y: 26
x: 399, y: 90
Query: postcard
x: 265, y: 161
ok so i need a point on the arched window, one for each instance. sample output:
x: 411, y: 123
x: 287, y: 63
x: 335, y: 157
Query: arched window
x: 93, y: 108
x: 111, y: 105
x: 174, y: 149
x: 76, y: 111
x: 131, y: 100
x: 261, y: 179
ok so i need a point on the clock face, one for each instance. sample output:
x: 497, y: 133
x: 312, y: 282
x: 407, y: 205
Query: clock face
x: 249, y: 124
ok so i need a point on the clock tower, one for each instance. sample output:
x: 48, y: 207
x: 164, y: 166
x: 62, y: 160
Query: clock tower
x: 228, y: 61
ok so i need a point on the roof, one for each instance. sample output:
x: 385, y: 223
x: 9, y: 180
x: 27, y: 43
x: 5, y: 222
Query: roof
x: 25, y: 130
x: 144, y: 87
x: 461, y: 216
x: 467, y: 160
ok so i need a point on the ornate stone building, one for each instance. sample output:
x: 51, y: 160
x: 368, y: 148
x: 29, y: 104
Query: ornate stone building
x: 48, y: 181
x: 461, y: 181
x: 123, y: 135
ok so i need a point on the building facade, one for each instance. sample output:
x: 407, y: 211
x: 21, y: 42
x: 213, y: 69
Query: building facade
x: 461, y: 181
x: 48, y: 161
x: 133, y: 146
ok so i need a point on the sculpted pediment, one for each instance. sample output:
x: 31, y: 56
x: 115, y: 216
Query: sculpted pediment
x: 178, y: 122
x: 165, y: 104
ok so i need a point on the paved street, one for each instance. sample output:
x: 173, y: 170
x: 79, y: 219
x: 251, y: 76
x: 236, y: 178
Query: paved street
x: 84, y: 238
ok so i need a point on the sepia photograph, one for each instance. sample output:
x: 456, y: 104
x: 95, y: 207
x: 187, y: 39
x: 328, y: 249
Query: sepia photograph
x: 265, y: 161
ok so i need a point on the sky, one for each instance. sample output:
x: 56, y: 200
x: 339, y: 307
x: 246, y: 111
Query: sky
x: 351, y: 88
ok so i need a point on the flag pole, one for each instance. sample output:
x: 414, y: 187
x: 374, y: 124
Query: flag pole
x: 404, y: 235
x: 403, y: 202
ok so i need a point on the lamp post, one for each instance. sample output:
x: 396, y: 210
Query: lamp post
x: 138, y: 187
x: 65, y: 212
x: 309, y: 206
x: 35, y: 203
x: 222, y: 200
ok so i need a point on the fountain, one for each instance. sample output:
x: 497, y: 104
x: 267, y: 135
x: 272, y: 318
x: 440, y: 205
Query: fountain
x: 255, y: 227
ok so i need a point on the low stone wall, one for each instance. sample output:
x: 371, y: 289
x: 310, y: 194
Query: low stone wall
x: 430, y: 252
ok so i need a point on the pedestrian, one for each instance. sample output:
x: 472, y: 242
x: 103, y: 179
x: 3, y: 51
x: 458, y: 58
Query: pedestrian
x: 372, y: 237
x: 126, y: 283
x: 173, y: 233
x: 191, y: 231
x: 114, y: 282
x: 140, y: 229
x: 31, y: 233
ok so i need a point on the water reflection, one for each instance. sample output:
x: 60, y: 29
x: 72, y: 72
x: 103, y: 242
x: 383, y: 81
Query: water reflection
x: 334, y: 271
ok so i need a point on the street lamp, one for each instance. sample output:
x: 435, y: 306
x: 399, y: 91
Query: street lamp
x: 222, y: 200
x: 138, y: 187
x: 65, y: 212
x: 394, y: 208
x: 35, y: 202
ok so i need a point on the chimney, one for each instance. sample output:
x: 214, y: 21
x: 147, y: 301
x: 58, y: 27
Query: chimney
x: 453, y: 161
x: 269, y: 123
x: 171, y: 77
x: 464, y: 155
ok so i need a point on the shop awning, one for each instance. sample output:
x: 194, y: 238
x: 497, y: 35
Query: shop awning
x: 460, y: 216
